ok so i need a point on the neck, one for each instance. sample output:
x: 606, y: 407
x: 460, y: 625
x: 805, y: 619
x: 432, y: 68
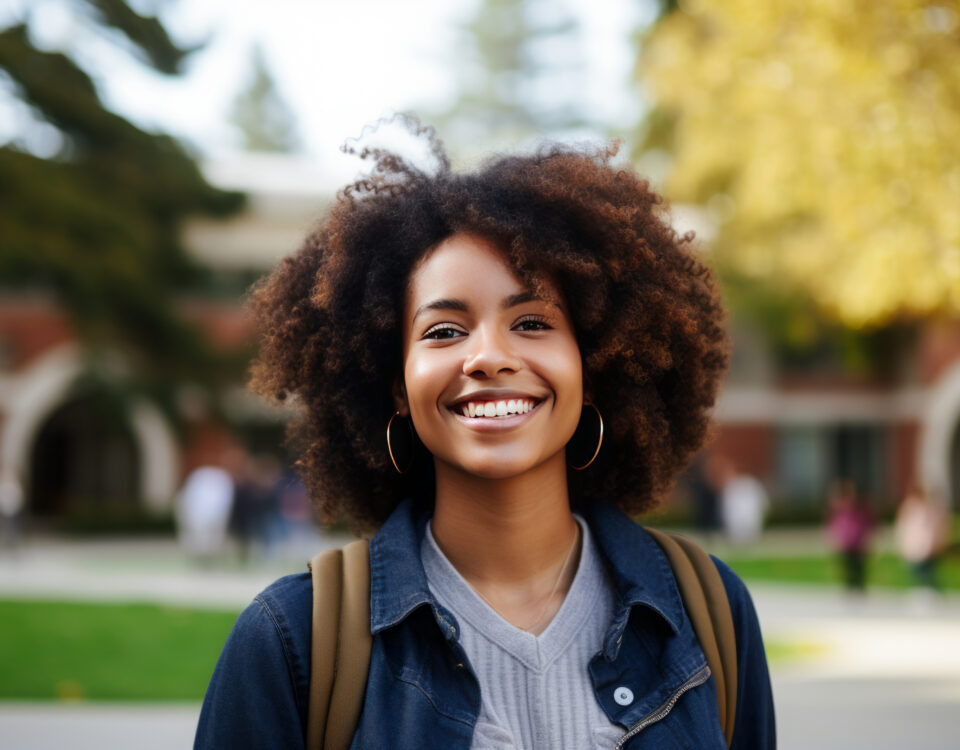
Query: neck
x: 505, y: 532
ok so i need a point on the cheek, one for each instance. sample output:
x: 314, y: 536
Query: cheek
x: 424, y: 378
x: 569, y: 386
x: 567, y: 368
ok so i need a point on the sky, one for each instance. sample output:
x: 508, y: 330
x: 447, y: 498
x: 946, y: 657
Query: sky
x: 339, y: 65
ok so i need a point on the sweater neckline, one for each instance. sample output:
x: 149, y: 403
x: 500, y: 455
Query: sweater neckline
x: 536, y: 652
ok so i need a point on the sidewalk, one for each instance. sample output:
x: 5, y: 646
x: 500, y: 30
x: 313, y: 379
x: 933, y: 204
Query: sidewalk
x: 882, y: 672
x: 148, y: 570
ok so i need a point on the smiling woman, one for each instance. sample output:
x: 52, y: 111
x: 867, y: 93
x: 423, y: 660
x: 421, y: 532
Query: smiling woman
x: 492, y: 345
x: 497, y: 315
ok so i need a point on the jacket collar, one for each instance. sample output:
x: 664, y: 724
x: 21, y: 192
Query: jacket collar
x: 398, y: 584
x: 640, y: 571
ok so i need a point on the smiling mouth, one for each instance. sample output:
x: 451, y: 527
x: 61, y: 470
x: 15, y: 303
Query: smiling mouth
x: 497, y: 409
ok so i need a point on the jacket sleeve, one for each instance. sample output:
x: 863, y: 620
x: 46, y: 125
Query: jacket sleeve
x: 754, y: 727
x: 252, y: 700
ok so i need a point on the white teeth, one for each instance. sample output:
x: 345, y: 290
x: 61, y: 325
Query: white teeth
x: 496, y: 408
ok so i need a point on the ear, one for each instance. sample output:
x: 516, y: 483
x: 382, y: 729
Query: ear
x: 400, y: 397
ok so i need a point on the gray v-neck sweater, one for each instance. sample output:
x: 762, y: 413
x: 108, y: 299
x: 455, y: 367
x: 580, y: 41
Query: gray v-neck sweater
x: 535, y: 690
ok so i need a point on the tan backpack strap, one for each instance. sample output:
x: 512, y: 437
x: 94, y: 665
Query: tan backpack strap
x: 705, y: 599
x: 341, y: 645
x: 327, y: 573
x: 353, y: 653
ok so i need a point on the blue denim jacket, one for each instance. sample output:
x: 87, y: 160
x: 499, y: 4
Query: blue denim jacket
x: 421, y: 691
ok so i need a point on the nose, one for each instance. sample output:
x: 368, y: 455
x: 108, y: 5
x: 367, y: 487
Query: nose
x: 490, y: 353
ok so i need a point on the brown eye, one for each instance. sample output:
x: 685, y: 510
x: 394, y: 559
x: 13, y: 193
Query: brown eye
x: 532, y: 323
x: 443, y: 331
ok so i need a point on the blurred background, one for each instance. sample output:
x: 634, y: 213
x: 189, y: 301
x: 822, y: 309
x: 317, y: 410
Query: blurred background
x: 158, y: 156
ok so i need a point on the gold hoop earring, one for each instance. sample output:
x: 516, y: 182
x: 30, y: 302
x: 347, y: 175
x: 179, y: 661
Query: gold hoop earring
x: 390, y: 444
x: 596, y: 451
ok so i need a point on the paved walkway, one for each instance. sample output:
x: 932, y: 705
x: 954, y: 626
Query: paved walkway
x: 153, y: 570
x: 881, y: 672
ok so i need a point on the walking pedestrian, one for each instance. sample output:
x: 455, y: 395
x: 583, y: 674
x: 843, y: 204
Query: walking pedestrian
x: 849, y: 527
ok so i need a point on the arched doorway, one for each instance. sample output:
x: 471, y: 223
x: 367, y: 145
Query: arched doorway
x: 84, y: 459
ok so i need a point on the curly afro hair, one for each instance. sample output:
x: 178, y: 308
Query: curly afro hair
x: 645, y: 309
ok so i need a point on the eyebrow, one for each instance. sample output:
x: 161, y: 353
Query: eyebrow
x: 455, y: 304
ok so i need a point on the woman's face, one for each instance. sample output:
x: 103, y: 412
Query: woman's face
x: 492, y: 374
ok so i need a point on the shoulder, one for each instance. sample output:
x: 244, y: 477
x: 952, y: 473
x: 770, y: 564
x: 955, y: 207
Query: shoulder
x: 741, y: 603
x: 755, y: 725
x: 289, y: 599
x: 276, y: 625
x: 259, y: 691
x: 735, y: 587
x: 272, y: 635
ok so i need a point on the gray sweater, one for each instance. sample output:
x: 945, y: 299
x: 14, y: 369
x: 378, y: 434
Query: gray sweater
x: 535, y: 690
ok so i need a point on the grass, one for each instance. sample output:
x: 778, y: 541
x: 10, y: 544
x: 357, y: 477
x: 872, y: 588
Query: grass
x: 147, y: 652
x: 110, y: 652
x: 781, y: 652
x: 71, y: 651
x: 883, y: 570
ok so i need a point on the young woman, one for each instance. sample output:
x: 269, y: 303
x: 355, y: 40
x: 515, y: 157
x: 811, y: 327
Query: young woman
x: 496, y: 325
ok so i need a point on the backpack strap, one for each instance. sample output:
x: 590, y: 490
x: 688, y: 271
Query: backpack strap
x: 341, y: 644
x: 705, y: 600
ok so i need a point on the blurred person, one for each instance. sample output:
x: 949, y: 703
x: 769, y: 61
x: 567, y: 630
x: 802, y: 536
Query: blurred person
x: 204, y: 505
x: 490, y: 323
x: 294, y: 528
x: 254, y: 511
x: 849, y: 529
x: 704, y: 495
x: 743, y: 504
x: 922, y: 531
x: 11, y: 510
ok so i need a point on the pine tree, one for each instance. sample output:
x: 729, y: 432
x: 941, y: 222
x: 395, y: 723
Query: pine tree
x: 260, y: 113
x: 98, y: 224
x: 513, y: 78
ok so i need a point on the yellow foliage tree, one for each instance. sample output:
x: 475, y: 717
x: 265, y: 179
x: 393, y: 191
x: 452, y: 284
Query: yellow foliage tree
x: 824, y: 138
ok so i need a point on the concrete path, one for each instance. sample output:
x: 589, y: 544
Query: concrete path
x: 881, y: 672
x: 150, y: 570
x: 97, y: 726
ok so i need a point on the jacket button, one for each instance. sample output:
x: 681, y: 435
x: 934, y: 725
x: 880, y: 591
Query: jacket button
x: 623, y: 696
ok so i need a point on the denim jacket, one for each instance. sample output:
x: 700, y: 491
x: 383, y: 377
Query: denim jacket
x: 421, y: 691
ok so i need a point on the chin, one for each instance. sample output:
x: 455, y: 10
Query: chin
x: 498, y: 467
x: 495, y: 472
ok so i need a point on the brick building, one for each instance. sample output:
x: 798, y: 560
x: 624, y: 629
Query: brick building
x: 795, y: 432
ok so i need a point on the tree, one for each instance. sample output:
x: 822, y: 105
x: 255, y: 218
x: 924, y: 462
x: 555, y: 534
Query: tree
x: 515, y: 76
x: 98, y: 223
x: 825, y: 141
x: 261, y: 114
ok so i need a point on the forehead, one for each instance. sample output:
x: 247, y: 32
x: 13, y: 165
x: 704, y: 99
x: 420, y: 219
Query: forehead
x: 462, y: 266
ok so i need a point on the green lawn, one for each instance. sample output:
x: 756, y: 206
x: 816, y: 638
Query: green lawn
x: 86, y: 651
x: 884, y: 570
x: 78, y: 651
x: 132, y: 652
